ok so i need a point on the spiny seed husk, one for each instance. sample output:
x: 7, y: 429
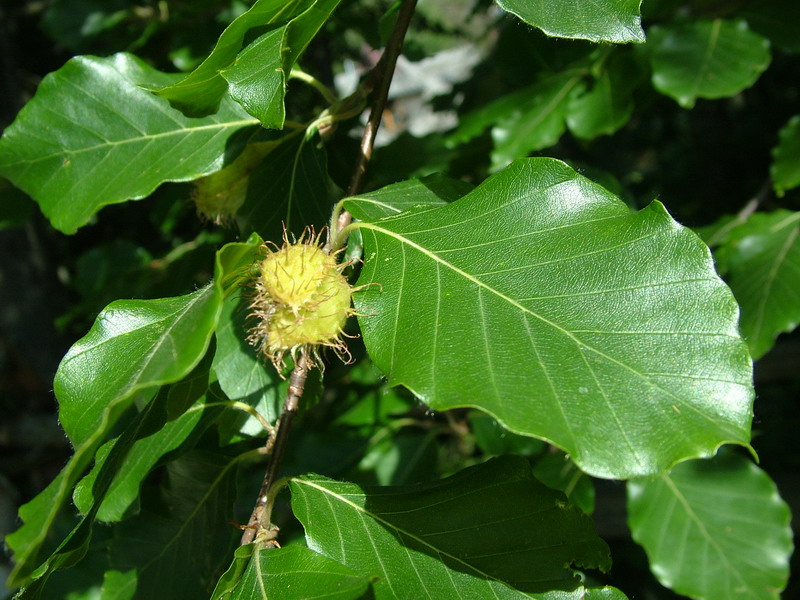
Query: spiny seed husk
x: 301, y: 302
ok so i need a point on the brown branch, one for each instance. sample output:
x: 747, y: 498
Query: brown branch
x: 383, y: 73
x: 259, y: 527
x: 259, y: 524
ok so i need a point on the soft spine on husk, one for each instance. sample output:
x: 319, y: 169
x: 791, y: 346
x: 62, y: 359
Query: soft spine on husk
x: 299, y: 302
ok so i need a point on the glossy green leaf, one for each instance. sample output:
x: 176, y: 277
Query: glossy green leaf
x: 786, y: 157
x: 290, y: 190
x: 178, y: 551
x: 706, y: 59
x: 762, y: 257
x: 604, y: 593
x: 133, y: 346
x: 92, y: 137
x: 200, y: 92
x: 433, y: 190
x: 565, y: 315
x: 714, y: 529
x: 257, y: 78
x: 291, y: 573
x: 488, y: 531
x: 615, y: 21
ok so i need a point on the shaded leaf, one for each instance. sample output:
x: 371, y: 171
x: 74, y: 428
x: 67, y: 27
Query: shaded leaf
x: 178, y: 553
x: 714, y: 529
x: 200, y: 92
x: 113, y: 462
x: 495, y: 440
x: 596, y: 20
x: 779, y: 20
x: 762, y: 258
x: 133, y: 346
x: 608, y: 105
x: 447, y: 539
x: 291, y: 189
x: 706, y: 59
x: 785, y: 169
x: 92, y: 137
x: 291, y: 573
x: 557, y: 471
x: 566, y: 316
x: 257, y: 78
x: 178, y: 416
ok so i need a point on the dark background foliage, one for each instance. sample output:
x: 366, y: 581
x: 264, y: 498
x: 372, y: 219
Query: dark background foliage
x: 701, y: 163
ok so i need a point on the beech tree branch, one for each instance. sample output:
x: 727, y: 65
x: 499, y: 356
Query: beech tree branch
x: 259, y: 527
x: 384, y: 72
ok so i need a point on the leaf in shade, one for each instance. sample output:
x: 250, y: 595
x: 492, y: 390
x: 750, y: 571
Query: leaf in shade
x: 257, y: 78
x: 179, y: 416
x: 785, y: 169
x: 291, y: 189
x: 133, y: 346
x: 177, y: 552
x: 433, y: 190
x: 609, y: 104
x: 291, y: 573
x: 200, y: 92
x: 557, y: 471
x: 762, y: 260
x: 242, y: 375
x: 92, y: 137
x: 706, y: 59
x: 565, y: 315
x: 488, y: 531
x: 714, y: 529
x: 615, y: 21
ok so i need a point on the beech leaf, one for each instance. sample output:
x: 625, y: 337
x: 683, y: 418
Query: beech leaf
x: 489, y: 531
x: 540, y: 298
x: 714, y: 529
x: 706, y: 59
x: 615, y: 21
x: 91, y: 137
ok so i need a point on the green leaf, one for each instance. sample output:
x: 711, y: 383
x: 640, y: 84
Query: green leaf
x: 180, y: 415
x: 133, y: 346
x: 495, y: 440
x: 178, y: 552
x: 608, y: 105
x: 257, y: 78
x: 706, y: 59
x: 291, y: 573
x: 615, y: 21
x: 565, y: 315
x: 785, y: 169
x: 714, y: 529
x: 557, y: 471
x: 763, y: 267
x: 291, y: 189
x: 242, y: 375
x: 92, y: 137
x: 200, y: 92
x: 538, y: 123
x: 416, y: 194
x: 488, y: 531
